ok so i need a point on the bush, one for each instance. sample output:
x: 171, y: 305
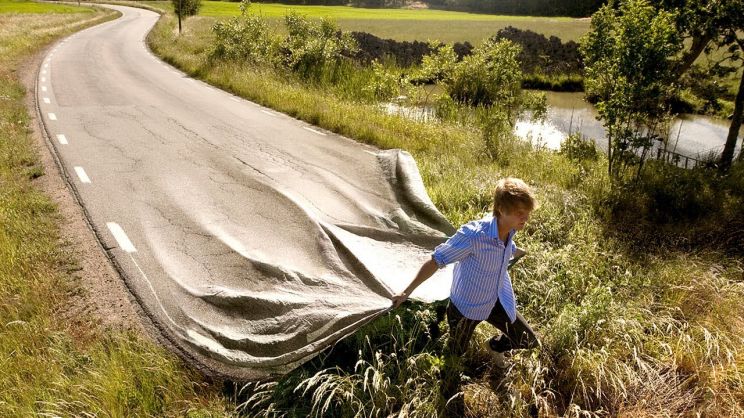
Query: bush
x: 578, y: 148
x: 315, y: 49
x: 438, y: 65
x: 245, y: 38
x: 384, y: 84
x: 490, y: 76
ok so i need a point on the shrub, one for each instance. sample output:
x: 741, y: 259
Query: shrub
x: 439, y: 64
x: 578, y: 148
x: 245, y: 38
x: 490, y: 76
x: 314, y: 49
x: 383, y: 84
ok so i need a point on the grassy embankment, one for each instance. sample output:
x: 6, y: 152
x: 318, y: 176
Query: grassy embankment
x: 48, y: 366
x: 627, y: 327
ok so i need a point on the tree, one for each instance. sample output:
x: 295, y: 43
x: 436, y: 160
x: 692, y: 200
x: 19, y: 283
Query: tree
x: 714, y: 24
x: 630, y: 67
x: 185, y: 8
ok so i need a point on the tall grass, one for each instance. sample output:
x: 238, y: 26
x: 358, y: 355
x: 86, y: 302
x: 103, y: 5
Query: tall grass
x: 627, y: 328
x: 49, y: 366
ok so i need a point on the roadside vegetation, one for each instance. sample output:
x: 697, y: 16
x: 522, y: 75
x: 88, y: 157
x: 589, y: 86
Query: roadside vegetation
x: 634, y: 283
x: 634, y: 278
x: 708, y: 88
x: 51, y: 367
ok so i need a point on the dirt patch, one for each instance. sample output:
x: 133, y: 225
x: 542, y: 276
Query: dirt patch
x: 100, y: 299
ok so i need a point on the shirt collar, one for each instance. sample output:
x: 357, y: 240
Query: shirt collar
x: 493, y: 229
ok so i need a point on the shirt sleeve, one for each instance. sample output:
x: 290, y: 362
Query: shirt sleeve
x: 454, y: 249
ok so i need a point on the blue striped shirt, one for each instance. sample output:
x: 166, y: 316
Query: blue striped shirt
x: 480, y: 275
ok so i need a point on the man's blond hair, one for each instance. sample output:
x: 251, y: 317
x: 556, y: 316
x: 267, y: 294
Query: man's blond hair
x: 510, y: 194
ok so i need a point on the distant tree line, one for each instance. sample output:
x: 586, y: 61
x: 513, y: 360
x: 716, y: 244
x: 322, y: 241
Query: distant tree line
x: 538, y: 53
x: 404, y: 53
x: 575, y: 8
x: 544, y: 55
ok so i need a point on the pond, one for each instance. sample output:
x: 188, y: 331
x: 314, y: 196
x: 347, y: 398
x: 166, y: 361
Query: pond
x: 694, y: 136
x: 690, y: 135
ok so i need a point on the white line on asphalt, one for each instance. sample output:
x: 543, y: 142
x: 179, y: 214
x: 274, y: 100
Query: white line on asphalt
x: 43, y: 79
x: 46, y: 65
x: 46, y: 100
x: 43, y: 71
x: 121, y: 237
x: 81, y: 174
x: 313, y: 130
x: 155, y: 295
x: 268, y: 113
x: 370, y: 152
x: 62, y: 139
x: 52, y: 116
x: 235, y: 99
x: 43, y: 88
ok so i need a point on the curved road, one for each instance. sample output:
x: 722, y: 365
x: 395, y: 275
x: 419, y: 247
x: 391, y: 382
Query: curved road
x: 251, y: 239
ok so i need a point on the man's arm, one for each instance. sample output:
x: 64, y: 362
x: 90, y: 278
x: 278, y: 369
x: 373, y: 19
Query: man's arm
x: 427, y: 270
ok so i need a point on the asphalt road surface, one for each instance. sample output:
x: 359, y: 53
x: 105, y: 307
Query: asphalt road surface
x: 251, y: 239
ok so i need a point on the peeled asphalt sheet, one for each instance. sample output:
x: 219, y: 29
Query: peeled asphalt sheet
x: 251, y: 239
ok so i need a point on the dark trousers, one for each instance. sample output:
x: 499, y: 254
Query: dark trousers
x: 515, y: 335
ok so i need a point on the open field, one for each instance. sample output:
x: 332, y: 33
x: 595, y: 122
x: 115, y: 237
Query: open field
x: 16, y: 6
x: 407, y: 25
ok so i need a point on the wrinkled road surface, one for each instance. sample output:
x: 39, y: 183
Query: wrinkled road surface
x: 251, y: 239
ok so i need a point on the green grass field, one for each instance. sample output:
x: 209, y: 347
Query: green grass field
x: 407, y: 25
x: 23, y: 7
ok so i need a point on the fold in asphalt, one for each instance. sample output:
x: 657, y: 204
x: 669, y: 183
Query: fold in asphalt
x: 251, y: 239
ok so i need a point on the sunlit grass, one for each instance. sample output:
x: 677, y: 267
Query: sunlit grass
x: 626, y: 329
x: 49, y: 367
x: 23, y: 7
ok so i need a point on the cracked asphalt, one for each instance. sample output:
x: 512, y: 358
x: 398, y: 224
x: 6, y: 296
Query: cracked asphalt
x: 250, y: 241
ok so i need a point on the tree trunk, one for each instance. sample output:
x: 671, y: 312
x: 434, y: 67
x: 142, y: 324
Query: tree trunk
x: 733, y: 135
x: 698, y: 45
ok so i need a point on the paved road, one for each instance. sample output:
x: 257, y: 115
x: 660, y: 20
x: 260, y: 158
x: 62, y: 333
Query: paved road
x: 251, y: 239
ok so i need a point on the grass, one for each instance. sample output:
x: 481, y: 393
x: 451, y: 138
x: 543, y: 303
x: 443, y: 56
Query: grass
x: 628, y: 328
x: 25, y: 7
x: 406, y: 25
x: 50, y: 367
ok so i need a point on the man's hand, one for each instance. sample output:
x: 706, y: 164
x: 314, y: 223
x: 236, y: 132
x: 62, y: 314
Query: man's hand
x: 398, y: 299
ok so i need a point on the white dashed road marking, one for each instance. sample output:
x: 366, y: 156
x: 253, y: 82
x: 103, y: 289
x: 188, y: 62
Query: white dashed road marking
x: 82, y: 175
x: 46, y: 100
x: 62, y: 139
x: 121, y: 237
x: 313, y: 130
x: 52, y: 116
